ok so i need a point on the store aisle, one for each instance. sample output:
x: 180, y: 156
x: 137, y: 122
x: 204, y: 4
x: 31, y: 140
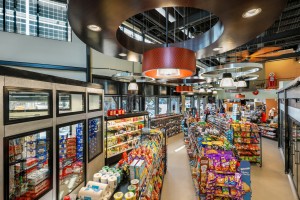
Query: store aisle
x: 178, y: 182
x: 270, y: 181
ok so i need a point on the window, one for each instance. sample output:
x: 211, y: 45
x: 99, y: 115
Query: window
x: 1, y: 15
x: 70, y: 103
x: 26, y: 104
x: 43, y: 18
x: 150, y: 106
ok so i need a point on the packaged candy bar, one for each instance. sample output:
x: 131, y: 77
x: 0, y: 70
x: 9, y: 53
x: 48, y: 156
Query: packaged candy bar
x: 225, y: 190
x: 220, y: 179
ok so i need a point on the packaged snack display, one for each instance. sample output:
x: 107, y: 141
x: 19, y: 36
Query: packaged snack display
x: 71, y: 157
x: 29, y: 167
x: 247, y: 141
x: 144, y: 167
x: 215, y: 162
x: 122, y: 134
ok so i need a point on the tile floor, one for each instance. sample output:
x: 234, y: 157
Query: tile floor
x: 268, y: 182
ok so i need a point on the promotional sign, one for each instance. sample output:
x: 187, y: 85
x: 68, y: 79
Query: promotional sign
x: 245, y: 170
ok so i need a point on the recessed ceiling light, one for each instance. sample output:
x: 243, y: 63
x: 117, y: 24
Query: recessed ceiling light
x: 95, y: 28
x: 218, y: 49
x: 122, y: 54
x: 252, y: 12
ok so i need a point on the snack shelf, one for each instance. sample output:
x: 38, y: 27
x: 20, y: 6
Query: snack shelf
x: 112, y: 136
x: 123, y: 143
x: 109, y: 156
x: 122, y: 124
x: 126, y: 133
x: 252, y: 155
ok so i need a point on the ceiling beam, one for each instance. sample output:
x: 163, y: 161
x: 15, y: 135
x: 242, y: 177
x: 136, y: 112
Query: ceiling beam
x: 274, y: 37
x: 188, y: 20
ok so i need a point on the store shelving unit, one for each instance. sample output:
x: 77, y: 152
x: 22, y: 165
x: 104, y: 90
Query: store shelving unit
x: 219, y: 123
x: 247, y: 140
x: 123, y: 134
x: 171, y: 123
x: 158, y: 168
x: 267, y: 131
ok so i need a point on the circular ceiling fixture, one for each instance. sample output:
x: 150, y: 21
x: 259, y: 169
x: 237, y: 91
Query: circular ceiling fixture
x: 128, y: 77
x: 95, y: 28
x: 218, y: 49
x: 251, y: 13
x: 169, y: 63
x: 236, y: 69
x: 251, y: 77
x: 112, y: 40
x: 189, y: 80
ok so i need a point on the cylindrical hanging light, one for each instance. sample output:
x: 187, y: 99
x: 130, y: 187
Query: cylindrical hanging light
x: 133, y: 86
x: 208, y: 90
x: 241, y: 83
x: 240, y: 96
x: 202, y: 90
x: 227, y: 81
x: 215, y: 92
x: 184, y: 88
x: 169, y: 63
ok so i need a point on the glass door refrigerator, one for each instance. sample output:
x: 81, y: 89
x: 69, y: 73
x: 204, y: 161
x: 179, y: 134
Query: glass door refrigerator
x: 28, y: 165
x: 295, y: 153
x: 71, y: 157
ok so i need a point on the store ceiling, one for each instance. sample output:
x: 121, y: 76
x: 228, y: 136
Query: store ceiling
x: 284, y: 33
x: 193, y: 28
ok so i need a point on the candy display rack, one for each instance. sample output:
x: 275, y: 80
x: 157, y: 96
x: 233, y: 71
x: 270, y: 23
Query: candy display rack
x: 247, y: 140
x: 123, y: 134
x: 214, y: 165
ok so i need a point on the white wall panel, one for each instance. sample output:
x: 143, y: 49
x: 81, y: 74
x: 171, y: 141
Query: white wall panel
x: 99, y: 60
x: 22, y: 48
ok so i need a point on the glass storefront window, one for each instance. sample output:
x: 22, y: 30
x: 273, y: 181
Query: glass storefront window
x: 150, y: 106
x: 70, y: 103
x: 188, y: 102
x: 25, y: 104
x: 175, y: 105
x: 95, y: 102
x: 163, y: 105
x: 110, y: 103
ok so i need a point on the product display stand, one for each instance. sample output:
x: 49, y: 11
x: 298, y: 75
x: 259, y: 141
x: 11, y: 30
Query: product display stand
x: 123, y: 134
x: 247, y: 140
x: 170, y: 122
x: 214, y: 165
x: 150, y: 176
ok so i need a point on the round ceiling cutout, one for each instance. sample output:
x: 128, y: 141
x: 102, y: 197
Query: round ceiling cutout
x: 109, y: 15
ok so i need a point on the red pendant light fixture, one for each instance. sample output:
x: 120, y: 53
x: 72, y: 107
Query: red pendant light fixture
x: 240, y: 96
x: 184, y: 88
x: 169, y: 63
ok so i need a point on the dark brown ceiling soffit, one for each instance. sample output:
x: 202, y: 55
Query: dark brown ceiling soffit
x: 230, y: 32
